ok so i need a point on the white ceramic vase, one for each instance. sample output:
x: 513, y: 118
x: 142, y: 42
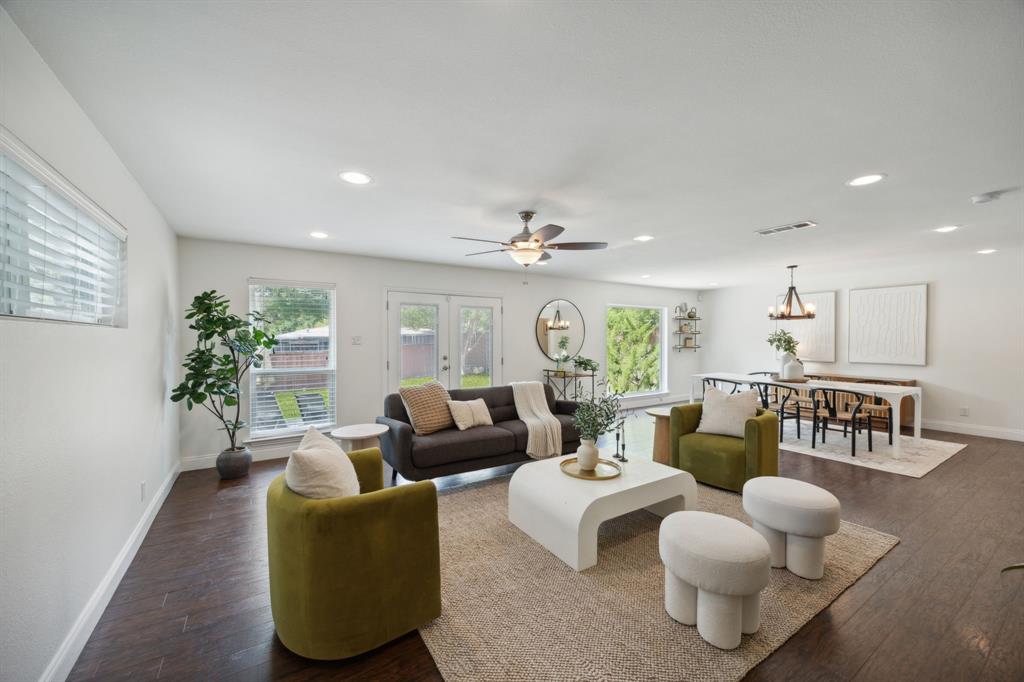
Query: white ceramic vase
x: 786, y: 359
x: 587, y: 454
x: 793, y: 371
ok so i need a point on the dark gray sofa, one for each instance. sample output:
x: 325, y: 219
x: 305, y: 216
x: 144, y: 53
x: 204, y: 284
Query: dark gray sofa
x: 454, y: 452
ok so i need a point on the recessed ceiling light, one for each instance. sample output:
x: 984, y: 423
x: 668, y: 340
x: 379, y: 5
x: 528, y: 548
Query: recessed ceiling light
x: 355, y: 177
x: 645, y: 276
x: 985, y: 252
x: 946, y: 228
x: 869, y: 179
x: 643, y: 238
x: 713, y: 284
x: 318, y: 235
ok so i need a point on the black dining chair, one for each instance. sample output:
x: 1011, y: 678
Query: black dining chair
x: 781, y: 400
x: 845, y: 407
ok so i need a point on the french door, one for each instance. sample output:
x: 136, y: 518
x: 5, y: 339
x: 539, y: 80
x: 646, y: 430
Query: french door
x: 454, y: 339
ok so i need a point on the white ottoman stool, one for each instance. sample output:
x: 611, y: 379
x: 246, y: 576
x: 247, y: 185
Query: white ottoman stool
x: 715, y: 569
x: 794, y: 517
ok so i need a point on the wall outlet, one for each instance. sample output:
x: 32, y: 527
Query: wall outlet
x: 965, y: 411
x: 142, y: 492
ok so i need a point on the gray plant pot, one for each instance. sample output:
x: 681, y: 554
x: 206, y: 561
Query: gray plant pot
x: 234, y: 463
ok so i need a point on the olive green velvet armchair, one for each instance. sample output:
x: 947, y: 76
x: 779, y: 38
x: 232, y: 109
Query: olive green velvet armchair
x: 349, y: 574
x: 724, y: 461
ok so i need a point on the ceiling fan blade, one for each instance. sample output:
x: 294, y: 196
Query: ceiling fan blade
x: 480, y: 253
x: 547, y: 233
x: 544, y: 256
x: 578, y: 246
x: 489, y: 241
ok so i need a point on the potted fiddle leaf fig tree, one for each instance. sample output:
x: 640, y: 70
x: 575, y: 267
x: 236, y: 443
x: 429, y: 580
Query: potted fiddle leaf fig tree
x: 226, y: 347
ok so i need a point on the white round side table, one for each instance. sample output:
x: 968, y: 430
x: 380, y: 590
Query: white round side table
x: 359, y: 436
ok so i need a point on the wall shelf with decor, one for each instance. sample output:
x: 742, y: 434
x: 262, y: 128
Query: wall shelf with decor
x: 687, y: 330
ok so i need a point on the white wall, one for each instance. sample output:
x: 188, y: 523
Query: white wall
x: 975, y: 347
x: 84, y: 417
x: 361, y: 284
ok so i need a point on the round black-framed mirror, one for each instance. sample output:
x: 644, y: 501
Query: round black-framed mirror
x: 560, y: 330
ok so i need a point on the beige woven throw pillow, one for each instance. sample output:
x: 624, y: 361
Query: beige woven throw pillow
x: 427, y: 405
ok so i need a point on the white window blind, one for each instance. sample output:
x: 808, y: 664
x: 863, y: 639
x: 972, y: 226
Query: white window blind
x: 295, y: 387
x: 61, y: 256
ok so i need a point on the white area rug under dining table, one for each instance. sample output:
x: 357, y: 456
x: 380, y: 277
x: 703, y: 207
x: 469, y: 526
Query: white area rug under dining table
x: 916, y: 458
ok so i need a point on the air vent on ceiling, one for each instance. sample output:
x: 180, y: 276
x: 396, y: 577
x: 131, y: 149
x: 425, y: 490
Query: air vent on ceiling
x: 802, y: 225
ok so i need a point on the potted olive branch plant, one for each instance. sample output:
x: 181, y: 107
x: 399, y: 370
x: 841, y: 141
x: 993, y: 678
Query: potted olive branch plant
x: 226, y: 347
x: 784, y: 342
x: 595, y: 416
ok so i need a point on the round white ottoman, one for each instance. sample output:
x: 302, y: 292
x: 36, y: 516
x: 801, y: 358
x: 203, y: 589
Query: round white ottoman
x: 715, y: 569
x: 795, y: 518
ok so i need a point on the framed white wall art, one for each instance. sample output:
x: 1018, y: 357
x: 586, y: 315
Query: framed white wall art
x: 889, y: 325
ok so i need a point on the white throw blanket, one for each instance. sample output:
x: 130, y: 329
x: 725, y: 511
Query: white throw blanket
x: 544, y: 432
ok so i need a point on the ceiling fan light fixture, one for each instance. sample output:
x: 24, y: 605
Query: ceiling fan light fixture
x: 526, y: 257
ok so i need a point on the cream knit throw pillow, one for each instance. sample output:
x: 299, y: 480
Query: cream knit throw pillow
x: 726, y: 414
x: 320, y: 469
x: 470, y: 413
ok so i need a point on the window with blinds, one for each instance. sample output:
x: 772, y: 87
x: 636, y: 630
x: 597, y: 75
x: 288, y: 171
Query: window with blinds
x: 61, y: 256
x: 295, y: 387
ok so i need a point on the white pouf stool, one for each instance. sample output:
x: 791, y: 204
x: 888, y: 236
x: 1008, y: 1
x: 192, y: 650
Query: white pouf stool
x: 795, y: 518
x: 715, y: 569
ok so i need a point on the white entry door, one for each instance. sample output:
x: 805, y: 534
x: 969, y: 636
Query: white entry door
x: 454, y: 339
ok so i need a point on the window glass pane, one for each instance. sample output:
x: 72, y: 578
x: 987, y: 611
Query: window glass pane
x: 56, y: 262
x: 418, y: 357
x: 634, y: 345
x: 295, y: 387
x: 475, y: 350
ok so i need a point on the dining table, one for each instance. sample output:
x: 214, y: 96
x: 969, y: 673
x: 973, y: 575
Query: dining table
x: 891, y: 393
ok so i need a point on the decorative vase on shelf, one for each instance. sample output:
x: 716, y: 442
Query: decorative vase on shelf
x: 587, y: 454
x: 692, y: 313
x: 793, y: 370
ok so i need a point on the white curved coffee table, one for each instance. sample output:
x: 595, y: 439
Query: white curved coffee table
x: 359, y: 436
x: 563, y: 513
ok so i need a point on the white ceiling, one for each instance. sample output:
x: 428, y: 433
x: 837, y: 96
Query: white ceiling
x: 696, y: 122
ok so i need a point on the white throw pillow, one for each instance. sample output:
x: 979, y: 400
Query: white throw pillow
x: 470, y: 413
x: 726, y: 414
x: 320, y: 469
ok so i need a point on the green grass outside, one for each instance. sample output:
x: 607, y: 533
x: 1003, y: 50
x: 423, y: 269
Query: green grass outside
x: 468, y: 381
x: 289, y: 406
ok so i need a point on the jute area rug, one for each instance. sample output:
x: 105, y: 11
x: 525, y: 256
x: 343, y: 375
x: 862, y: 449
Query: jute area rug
x: 513, y: 611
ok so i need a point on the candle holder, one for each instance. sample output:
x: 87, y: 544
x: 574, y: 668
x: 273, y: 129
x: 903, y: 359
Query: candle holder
x: 620, y: 435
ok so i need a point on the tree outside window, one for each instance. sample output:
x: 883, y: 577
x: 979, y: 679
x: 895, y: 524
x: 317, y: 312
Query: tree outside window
x: 634, y: 348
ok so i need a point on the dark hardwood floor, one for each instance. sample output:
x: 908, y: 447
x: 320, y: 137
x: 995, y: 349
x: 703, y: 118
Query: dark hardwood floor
x: 194, y: 604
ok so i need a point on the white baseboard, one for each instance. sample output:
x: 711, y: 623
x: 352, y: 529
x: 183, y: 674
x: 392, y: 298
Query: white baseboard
x: 974, y: 429
x: 64, y: 660
x: 277, y: 451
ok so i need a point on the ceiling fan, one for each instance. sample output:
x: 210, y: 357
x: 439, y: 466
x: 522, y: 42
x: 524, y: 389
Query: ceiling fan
x: 526, y: 248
